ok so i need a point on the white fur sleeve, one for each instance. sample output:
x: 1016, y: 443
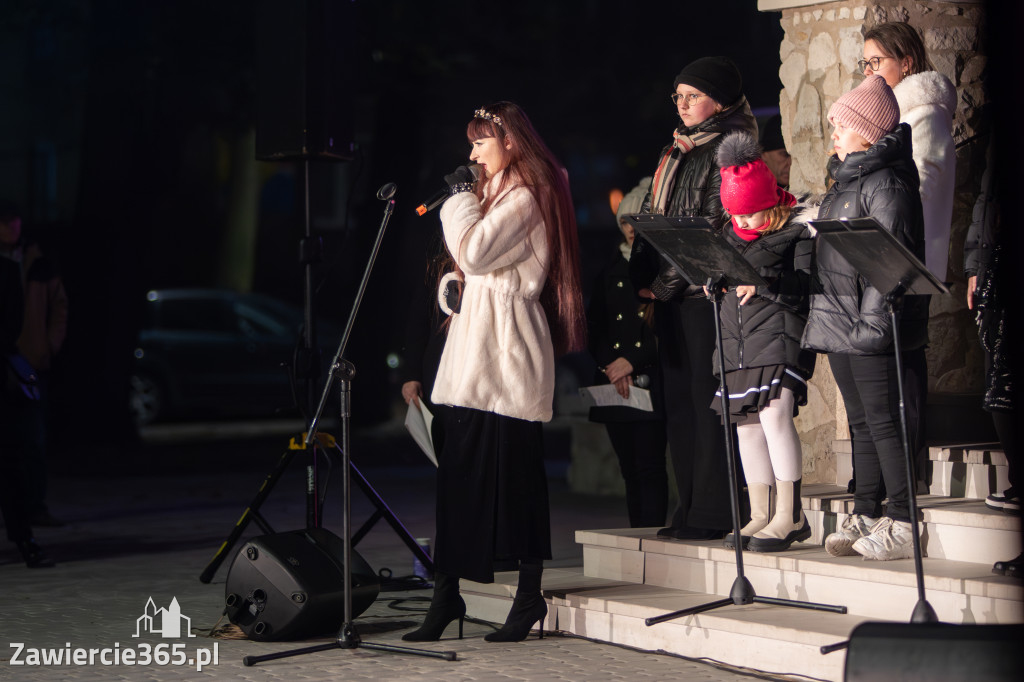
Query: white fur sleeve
x: 482, y: 243
x: 933, y: 147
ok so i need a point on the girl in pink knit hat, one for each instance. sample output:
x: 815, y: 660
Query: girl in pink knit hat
x: 766, y: 370
x: 874, y: 175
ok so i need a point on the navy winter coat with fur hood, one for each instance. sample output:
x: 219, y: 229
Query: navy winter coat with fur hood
x: 847, y: 315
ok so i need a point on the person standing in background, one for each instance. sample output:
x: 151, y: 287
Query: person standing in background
x: 15, y: 402
x: 927, y: 102
x: 43, y: 331
x: 773, y: 151
x: 622, y: 341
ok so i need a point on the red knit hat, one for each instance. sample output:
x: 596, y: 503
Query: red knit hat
x: 870, y: 109
x: 748, y: 186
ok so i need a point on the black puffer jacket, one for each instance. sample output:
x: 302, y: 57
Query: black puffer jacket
x: 767, y: 329
x: 694, y: 193
x: 847, y: 315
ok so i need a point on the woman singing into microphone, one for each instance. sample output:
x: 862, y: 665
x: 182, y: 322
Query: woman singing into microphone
x: 512, y: 236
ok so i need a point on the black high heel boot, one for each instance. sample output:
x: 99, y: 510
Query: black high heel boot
x: 527, y: 608
x: 445, y: 606
x: 34, y: 555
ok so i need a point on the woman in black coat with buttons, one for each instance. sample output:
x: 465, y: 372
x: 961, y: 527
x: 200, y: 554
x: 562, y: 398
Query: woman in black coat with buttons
x: 621, y: 339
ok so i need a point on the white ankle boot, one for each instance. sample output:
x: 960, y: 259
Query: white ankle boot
x: 760, y: 496
x: 787, y: 526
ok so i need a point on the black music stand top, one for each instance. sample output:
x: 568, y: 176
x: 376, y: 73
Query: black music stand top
x: 878, y: 256
x: 696, y: 249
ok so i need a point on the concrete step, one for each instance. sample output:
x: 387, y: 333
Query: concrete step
x: 773, y: 639
x: 960, y: 592
x: 972, y: 471
x: 963, y: 470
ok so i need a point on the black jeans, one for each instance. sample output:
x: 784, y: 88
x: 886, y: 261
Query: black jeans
x: 870, y: 391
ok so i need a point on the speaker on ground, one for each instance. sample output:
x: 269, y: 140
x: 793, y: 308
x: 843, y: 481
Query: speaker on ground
x: 934, y: 652
x: 291, y: 585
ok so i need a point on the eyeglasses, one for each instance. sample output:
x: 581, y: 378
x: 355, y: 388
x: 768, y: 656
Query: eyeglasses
x: 690, y: 99
x: 874, y: 63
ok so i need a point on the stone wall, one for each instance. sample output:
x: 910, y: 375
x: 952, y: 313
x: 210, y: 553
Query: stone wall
x: 822, y: 44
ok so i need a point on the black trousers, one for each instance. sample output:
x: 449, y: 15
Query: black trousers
x: 640, y: 447
x: 868, y: 384
x: 686, y: 344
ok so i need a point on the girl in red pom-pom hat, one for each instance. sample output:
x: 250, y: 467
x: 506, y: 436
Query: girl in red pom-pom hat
x: 766, y: 370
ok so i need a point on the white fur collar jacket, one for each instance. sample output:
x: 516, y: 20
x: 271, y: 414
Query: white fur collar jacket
x: 927, y: 102
x: 498, y: 356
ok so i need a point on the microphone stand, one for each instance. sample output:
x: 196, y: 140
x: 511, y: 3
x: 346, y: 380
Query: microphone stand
x: 697, y: 251
x: 343, y: 371
x: 742, y: 592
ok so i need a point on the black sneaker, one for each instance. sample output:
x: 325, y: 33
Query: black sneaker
x: 1008, y: 501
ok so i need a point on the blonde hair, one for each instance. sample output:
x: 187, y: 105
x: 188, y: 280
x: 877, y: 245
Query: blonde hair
x: 777, y: 216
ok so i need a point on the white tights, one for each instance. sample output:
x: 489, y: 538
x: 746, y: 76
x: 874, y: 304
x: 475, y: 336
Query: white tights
x: 770, y: 449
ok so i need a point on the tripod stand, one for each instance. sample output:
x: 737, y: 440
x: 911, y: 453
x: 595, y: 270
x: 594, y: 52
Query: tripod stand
x: 307, y: 367
x: 343, y: 371
x: 701, y: 255
x: 888, y: 266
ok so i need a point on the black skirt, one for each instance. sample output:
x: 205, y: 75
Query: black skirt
x: 492, y: 494
x: 751, y: 389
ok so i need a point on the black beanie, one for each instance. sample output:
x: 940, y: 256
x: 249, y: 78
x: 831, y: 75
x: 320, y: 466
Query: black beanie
x: 771, y: 134
x: 715, y: 76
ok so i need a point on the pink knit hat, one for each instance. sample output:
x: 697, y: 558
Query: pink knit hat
x: 870, y: 109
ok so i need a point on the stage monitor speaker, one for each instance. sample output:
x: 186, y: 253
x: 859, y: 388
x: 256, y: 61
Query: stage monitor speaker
x: 934, y: 652
x: 291, y: 585
x: 304, y: 69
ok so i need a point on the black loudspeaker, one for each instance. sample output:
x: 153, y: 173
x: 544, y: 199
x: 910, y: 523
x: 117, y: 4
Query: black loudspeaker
x: 934, y: 652
x: 304, y: 64
x: 291, y: 585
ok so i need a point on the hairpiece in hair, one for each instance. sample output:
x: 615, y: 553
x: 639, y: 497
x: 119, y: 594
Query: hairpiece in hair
x: 487, y: 116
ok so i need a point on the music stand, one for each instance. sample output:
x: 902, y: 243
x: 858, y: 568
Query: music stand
x: 701, y: 254
x: 343, y: 371
x: 888, y: 266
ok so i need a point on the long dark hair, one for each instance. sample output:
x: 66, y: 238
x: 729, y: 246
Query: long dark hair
x: 899, y: 40
x: 532, y: 165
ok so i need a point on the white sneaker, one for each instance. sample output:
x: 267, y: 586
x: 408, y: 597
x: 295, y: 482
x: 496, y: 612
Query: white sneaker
x: 888, y: 540
x: 855, y: 526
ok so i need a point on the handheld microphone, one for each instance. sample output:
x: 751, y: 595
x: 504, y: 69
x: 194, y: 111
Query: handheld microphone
x: 438, y: 197
x: 641, y: 381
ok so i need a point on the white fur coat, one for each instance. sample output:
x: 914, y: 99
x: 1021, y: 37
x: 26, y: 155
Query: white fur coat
x: 927, y: 102
x: 498, y: 356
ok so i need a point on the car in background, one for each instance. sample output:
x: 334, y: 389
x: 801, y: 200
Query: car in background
x: 206, y: 353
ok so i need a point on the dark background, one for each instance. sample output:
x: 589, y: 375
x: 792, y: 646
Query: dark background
x: 126, y: 120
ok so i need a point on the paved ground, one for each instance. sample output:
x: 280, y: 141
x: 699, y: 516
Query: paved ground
x: 145, y: 527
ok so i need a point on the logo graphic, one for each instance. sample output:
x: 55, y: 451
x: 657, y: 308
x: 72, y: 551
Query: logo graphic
x: 167, y: 623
